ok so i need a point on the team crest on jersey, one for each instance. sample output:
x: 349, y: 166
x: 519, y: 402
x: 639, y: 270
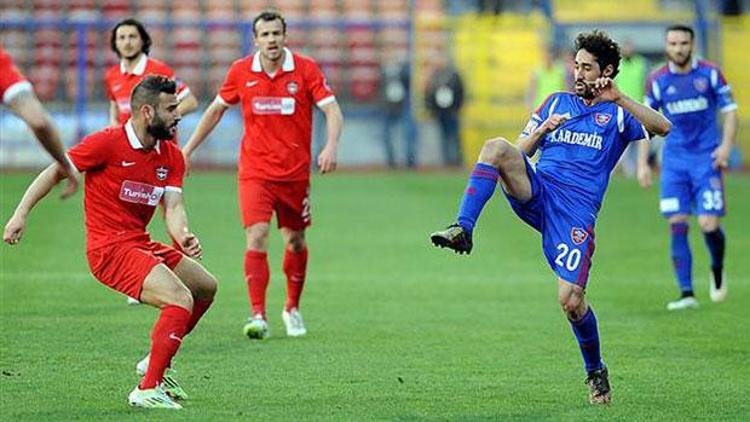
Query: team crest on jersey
x: 578, y: 235
x: 700, y: 84
x: 162, y: 172
x: 602, y: 119
x: 292, y: 87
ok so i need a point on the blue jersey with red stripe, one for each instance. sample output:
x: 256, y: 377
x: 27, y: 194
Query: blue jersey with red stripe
x: 579, y: 156
x: 690, y: 101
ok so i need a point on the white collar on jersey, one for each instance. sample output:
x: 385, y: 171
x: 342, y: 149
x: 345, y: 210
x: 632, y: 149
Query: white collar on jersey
x: 673, y: 68
x: 288, y: 65
x: 133, y: 138
x: 138, y: 69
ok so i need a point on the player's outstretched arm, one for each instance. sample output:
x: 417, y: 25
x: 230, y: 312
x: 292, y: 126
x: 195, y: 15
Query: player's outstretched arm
x: 177, y: 224
x: 187, y: 105
x: 38, y: 189
x: 334, y: 124
x: 728, y: 133
x: 208, y: 122
x: 643, y: 169
x: 30, y: 110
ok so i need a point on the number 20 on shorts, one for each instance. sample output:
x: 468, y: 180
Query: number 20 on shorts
x: 568, y: 258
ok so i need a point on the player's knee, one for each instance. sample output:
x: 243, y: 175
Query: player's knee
x: 708, y: 224
x: 296, y: 243
x: 180, y: 296
x: 257, y: 237
x: 209, y: 286
x: 496, y: 151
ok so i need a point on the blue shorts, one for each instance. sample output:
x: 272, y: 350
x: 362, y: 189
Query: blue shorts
x: 567, y: 237
x: 692, y: 187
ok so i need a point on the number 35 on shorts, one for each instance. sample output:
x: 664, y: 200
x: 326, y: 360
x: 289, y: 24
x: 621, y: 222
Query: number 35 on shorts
x: 567, y: 257
x: 712, y: 200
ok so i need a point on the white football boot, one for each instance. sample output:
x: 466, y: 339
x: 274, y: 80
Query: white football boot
x: 132, y: 301
x: 152, y: 398
x: 295, y: 326
x: 717, y: 295
x: 256, y: 328
x: 683, y: 303
x: 169, y: 382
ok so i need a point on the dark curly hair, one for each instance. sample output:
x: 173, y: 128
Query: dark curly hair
x: 141, y: 31
x: 268, y: 16
x: 602, y: 47
x: 148, y: 89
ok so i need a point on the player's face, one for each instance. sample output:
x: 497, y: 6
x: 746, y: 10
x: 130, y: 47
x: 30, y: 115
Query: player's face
x: 679, y: 47
x: 163, y: 123
x: 270, y: 39
x: 128, y: 42
x: 586, y: 71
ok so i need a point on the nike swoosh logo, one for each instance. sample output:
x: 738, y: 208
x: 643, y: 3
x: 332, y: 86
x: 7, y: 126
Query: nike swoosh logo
x: 174, y: 337
x: 251, y: 84
x: 128, y: 163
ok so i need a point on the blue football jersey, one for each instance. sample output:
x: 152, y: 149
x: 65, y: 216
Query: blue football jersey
x: 690, y: 101
x: 579, y: 156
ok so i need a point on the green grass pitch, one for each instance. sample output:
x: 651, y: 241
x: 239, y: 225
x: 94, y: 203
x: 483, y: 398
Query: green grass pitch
x: 397, y: 329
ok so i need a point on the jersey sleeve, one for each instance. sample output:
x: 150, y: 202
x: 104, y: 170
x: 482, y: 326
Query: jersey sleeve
x: 92, y: 152
x: 229, y: 92
x: 319, y: 89
x: 12, y: 81
x: 723, y: 91
x: 540, y: 114
x: 182, y: 89
x: 653, y: 93
x: 177, y: 173
x: 629, y: 127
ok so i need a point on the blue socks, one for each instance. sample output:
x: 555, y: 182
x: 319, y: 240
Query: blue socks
x: 587, y: 333
x: 682, y: 259
x: 716, y: 242
x: 482, y: 183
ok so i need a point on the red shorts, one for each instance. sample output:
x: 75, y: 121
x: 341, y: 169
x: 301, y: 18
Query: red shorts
x: 290, y: 200
x: 124, y: 266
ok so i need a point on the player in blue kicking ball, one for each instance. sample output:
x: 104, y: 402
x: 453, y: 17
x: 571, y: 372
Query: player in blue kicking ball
x: 580, y: 137
x: 691, y: 92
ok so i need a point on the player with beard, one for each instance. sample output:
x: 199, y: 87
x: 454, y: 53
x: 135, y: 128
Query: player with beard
x: 132, y: 43
x: 277, y: 90
x: 691, y: 93
x: 129, y: 170
x: 580, y: 138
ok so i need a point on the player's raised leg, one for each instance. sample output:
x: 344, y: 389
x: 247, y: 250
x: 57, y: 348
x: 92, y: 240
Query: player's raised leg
x: 257, y: 275
x: 163, y: 289
x: 716, y: 244
x: 295, y: 268
x: 499, y: 159
x: 682, y: 262
x: 583, y: 322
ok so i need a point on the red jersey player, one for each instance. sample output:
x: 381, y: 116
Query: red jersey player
x: 276, y: 90
x: 129, y: 170
x: 17, y: 94
x: 131, y: 42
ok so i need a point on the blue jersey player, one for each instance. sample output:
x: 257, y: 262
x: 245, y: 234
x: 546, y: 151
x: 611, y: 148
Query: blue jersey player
x: 580, y: 137
x: 690, y: 92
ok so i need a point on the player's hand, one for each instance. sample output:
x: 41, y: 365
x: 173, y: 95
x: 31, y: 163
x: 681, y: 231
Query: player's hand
x: 191, y: 246
x: 644, y: 175
x: 14, y: 229
x: 553, y: 122
x: 73, y: 182
x: 606, y: 90
x: 327, y: 159
x: 721, y: 157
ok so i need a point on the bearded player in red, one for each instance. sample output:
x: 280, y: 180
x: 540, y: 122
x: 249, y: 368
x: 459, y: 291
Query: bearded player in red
x: 129, y: 170
x: 276, y: 90
x: 17, y: 93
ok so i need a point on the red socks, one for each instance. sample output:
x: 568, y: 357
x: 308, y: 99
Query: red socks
x: 295, y: 268
x: 165, y: 340
x: 256, y: 276
x: 200, y: 306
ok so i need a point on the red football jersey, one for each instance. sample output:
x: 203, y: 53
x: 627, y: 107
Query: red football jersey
x: 277, y: 113
x: 118, y: 84
x: 124, y: 183
x: 12, y: 81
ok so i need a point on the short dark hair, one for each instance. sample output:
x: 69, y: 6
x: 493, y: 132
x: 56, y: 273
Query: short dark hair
x: 141, y: 30
x: 683, y: 28
x: 147, y: 91
x: 604, y: 48
x: 268, y: 16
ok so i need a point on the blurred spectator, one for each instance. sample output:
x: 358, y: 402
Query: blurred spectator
x: 445, y: 96
x: 490, y: 6
x: 550, y: 77
x: 397, y: 111
x: 631, y: 80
